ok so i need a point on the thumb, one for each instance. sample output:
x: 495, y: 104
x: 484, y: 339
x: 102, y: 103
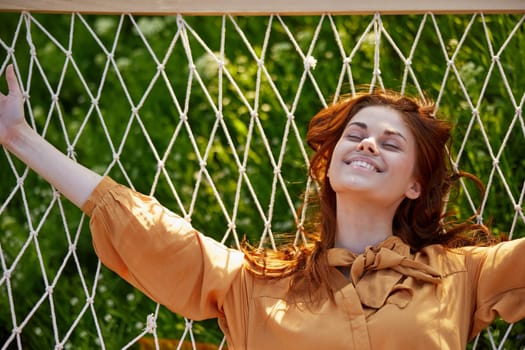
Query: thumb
x: 12, y: 82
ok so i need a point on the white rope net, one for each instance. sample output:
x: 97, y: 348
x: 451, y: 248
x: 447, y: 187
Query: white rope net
x: 209, y: 115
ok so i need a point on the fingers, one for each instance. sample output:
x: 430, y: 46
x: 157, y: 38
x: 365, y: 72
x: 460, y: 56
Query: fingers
x: 12, y: 82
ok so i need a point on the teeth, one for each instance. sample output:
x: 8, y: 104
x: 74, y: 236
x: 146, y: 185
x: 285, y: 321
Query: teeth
x: 362, y: 164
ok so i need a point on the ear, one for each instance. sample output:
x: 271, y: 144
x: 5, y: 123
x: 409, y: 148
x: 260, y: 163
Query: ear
x: 414, y: 190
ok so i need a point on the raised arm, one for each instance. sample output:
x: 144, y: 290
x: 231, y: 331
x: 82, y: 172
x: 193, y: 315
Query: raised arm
x: 73, y: 180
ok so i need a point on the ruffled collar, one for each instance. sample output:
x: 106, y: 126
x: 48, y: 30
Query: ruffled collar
x: 377, y: 274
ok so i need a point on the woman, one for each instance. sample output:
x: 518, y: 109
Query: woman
x: 386, y: 269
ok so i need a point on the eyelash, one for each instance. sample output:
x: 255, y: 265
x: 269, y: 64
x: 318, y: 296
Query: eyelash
x: 358, y: 138
x: 355, y: 138
x: 389, y: 145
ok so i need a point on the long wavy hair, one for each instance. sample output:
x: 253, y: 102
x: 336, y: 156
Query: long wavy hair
x: 418, y: 222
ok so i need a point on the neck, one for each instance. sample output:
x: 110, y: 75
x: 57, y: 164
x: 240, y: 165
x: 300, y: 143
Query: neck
x: 361, y: 224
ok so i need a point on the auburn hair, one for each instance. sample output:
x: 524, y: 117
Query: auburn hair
x: 418, y: 222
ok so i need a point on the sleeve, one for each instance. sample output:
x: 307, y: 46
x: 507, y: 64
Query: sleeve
x: 159, y: 252
x: 500, y: 291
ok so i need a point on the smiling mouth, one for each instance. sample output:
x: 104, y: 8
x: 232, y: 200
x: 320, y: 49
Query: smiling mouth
x: 363, y: 164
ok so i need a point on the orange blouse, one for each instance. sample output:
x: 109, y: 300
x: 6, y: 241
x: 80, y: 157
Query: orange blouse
x: 392, y: 299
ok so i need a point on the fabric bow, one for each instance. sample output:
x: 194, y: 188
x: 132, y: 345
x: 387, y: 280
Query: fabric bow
x: 376, y: 274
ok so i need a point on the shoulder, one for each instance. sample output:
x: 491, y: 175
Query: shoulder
x: 446, y: 260
x: 495, y: 251
x: 472, y: 258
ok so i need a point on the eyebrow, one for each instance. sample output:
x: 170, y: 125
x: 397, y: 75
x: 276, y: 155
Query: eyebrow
x: 387, y: 131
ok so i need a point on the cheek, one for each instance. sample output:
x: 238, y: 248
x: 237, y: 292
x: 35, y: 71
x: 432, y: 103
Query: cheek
x: 329, y: 169
x: 332, y: 160
x: 405, y: 166
x: 413, y: 166
x: 409, y: 167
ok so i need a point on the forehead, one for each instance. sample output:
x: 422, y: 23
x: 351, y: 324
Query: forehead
x: 382, y: 118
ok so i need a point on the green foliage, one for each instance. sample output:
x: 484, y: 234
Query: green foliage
x: 129, y: 146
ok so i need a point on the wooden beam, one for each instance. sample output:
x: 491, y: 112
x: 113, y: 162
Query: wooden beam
x: 263, y: 7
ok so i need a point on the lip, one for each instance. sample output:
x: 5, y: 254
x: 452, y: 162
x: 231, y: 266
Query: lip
x: 365, y: 160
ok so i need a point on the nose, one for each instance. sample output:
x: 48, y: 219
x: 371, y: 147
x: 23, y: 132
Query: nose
x: 368, y: 144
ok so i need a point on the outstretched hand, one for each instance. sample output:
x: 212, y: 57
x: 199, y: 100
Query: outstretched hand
x: 11, y: 107
x: 73, y: 180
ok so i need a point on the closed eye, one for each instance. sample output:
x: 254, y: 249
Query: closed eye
x: 391, y: 146
x: 354, y: 138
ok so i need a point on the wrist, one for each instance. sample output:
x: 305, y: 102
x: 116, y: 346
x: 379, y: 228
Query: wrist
x: 19, y: 137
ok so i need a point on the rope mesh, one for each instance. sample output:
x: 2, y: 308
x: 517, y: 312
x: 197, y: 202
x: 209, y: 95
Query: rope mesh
x: 223, y: 105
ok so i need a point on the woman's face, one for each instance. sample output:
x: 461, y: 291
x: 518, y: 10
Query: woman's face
x: 375, y: 158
